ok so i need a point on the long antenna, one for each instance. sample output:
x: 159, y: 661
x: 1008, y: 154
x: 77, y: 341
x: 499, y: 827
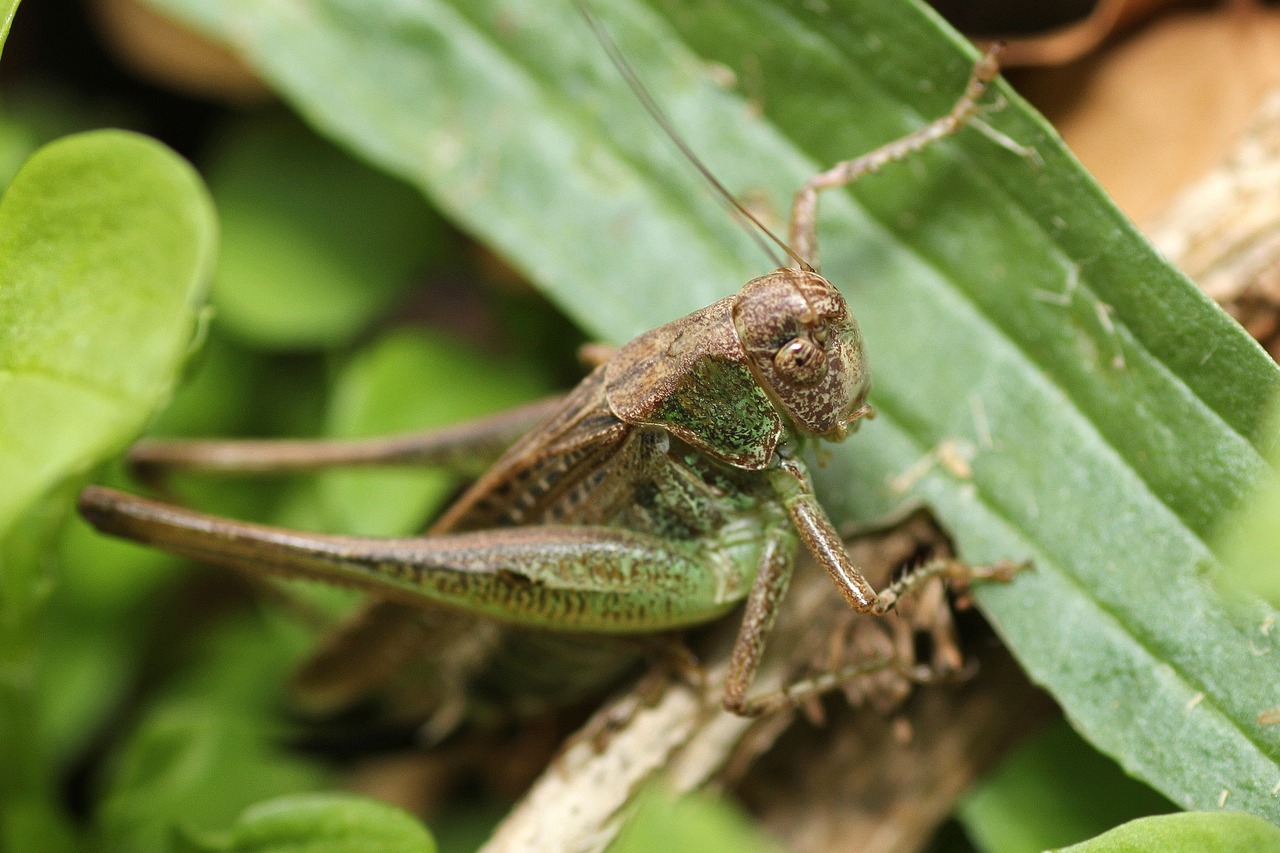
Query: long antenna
x: 656, y: 112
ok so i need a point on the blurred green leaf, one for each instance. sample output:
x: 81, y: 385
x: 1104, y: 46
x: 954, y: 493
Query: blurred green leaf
x: 1253, y: 546
x: 207, y: 746
x: 36, y: 112
x: 467, y: 825
x: 106, y: 242
x: 694, y: 822
x: 242, y: 662
x: 327, y: 823
x: 1109, y: 414
x: 16, y: 145
x: 315, y: 244
x: 217, y: 395
x: 85, y: 666
x: 1054, y: 790
x: 85, y: 670
x: 1250, y: 540
x: 193, y: 768
x: 1191, y: 832
x: 410, y: 381
x: 32, y: 825
x: 30, y: 813
x: 108, y: 587
x: 8, y: 8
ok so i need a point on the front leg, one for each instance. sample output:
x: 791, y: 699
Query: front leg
x: 767, y: 591
x: 795, y: 489
x: 777, y: 558
x: 795, y: 492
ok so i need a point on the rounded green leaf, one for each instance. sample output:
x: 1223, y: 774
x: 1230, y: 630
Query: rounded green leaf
x: 106, y: 243
x: 703, y: 820
x: 1190, y: 832
x: 1053, y: 790
x: 193, y: 768
x: 7, y: 10
x: 329, y: 823
x: 315, y: 244
x: 410, y: 381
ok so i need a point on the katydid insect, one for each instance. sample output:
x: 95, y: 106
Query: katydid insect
x: 664, y: 490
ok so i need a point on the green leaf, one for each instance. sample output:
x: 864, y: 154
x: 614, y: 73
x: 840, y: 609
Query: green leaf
x: 1054, y: 790
x: 193, y: 768
x: 1109, y: 414
x: 34, y: 112
x: 106, y: 243
x: 8, y: 9
x: 216, y: 396
x: 1250, y: 540
x: 1252, y: 548
x: 380, y: 393
x: 31, y: 824
x: 1192, y: 832
x: 209, y: 745
x: 306, y: 225
x: 329, y: 823
x: 699, y: 821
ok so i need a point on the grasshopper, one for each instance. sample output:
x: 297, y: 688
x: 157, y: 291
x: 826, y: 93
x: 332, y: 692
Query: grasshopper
x: 663, y: 491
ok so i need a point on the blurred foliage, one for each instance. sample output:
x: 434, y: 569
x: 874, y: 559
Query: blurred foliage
x: 1054, y: 791
x: 1191, y: 832
x: 1250, y: 540
x: 326, y: 823
x: 701, y: 821
x: 303, y: 224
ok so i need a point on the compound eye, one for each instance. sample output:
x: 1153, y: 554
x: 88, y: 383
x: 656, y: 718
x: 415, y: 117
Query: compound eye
x: 801, y: 362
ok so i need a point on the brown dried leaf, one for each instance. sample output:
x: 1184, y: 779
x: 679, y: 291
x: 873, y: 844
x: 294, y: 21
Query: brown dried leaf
x: 1224, y: 231
x: 159, y: 49
x: 1157, y: 110
x: 1069, y: 43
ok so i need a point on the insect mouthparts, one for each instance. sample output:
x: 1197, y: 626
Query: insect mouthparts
x: 864, y: 412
